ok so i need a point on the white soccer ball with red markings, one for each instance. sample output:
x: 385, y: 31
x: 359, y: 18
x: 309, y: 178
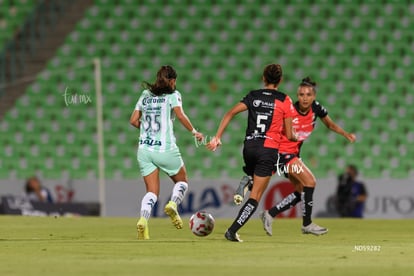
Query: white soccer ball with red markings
x: 201, y: 224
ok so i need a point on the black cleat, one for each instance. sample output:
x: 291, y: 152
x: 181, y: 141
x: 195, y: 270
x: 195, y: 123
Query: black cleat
x: 234, y: 237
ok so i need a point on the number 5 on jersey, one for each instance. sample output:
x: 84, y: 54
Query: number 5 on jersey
x: 259, y: 125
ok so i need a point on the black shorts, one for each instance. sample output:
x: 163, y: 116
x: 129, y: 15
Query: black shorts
x: 283, y: 160
x: 259, y: 160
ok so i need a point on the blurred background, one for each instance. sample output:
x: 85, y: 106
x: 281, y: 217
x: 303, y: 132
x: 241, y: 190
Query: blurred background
x: 359, y: 52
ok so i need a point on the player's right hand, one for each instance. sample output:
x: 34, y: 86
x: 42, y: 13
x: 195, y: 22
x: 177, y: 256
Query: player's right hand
x: 351, y: 137
x: 295, y: 135
x: 199, y: 136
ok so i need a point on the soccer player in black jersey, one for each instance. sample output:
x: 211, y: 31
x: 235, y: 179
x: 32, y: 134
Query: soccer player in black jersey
x: 269, y: 113
x: 307, y: 110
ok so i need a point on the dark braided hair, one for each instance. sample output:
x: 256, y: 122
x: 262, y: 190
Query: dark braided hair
x: 308, y: 82
x: 272, y: 73
x: 162, y: 83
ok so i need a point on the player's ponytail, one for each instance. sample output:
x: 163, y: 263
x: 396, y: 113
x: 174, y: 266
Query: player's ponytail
x: 162, y: 83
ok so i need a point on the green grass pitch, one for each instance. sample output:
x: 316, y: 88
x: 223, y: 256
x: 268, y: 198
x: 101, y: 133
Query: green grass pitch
x: 107, y: 246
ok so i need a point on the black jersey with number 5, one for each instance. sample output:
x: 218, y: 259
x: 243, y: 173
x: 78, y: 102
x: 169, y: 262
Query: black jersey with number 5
x: 267, y: 108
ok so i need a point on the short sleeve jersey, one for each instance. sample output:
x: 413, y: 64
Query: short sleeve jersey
x: 267, y: 110
x: 156, y: 130
x: 303, y: 124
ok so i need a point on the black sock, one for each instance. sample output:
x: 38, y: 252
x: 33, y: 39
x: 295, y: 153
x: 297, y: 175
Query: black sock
x: 286, y: 203
x: 245, y: 213
x: 307, y: 204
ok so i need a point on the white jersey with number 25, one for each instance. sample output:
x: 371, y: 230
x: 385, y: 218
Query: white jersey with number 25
x: 156, y: 131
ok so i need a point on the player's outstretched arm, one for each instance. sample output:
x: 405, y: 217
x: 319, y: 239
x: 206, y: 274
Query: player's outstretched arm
x: 216, y: 140
x: 135, y: 118
x: 182, y: 117
x: 334, y: 127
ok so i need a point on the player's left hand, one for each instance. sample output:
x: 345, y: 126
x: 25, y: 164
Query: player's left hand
x: 214, y: 143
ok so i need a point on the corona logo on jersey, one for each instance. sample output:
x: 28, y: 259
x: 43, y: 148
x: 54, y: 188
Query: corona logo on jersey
x: 150, y: 100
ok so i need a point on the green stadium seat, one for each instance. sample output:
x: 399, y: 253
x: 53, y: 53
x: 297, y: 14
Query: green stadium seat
x: 219, y: 52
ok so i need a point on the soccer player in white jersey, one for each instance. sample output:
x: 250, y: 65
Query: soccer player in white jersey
x: 154, y: 113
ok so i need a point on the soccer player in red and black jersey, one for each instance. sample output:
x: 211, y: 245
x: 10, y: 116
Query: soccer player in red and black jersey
x: 289, y: 163
x: 269, y: 113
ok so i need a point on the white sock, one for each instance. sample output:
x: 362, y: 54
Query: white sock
x: 147, y: 203
x: 179, y: 190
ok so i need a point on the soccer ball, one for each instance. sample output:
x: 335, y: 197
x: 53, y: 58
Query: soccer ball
x: 201, y: 224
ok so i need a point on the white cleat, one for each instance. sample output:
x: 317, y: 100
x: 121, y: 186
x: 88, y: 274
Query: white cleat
x: 244, y: 186
x: 267, y: 221
x: 314, y: 229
